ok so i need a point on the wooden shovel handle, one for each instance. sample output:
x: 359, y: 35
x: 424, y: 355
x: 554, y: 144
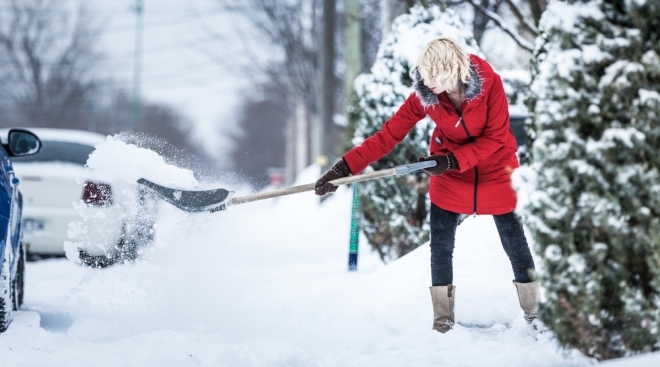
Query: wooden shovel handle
x: 310, y: 187
x: 399, y: 170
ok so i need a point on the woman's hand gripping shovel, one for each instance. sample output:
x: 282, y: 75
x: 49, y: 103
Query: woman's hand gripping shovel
x: 218, y: 199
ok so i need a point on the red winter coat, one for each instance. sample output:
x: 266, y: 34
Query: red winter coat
x: 482, y: 142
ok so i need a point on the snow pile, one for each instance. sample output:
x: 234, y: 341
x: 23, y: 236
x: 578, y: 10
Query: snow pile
x: 266, y: 284
x: 130, y: 163
x: 645, y: 360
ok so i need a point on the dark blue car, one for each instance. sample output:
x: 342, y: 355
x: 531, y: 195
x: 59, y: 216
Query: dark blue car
x: 18, y: 142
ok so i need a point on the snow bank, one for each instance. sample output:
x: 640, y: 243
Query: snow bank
x: 266, y: 284
x: 646, y: 360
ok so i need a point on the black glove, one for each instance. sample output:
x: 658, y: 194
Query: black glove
x: 444, y: 163
x: 339, y: 170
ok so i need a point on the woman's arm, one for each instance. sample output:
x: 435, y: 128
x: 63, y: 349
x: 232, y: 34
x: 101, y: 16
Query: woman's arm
x: 393, y: 132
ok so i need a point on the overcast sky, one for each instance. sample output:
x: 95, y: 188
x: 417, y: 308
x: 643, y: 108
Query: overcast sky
x: 176, y: 68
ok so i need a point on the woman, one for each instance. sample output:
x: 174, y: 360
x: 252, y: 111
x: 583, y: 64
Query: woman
x: 475, y: 152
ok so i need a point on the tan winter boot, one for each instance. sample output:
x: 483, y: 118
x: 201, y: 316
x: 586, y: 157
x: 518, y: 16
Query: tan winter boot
x: 443, y: 307
x: 529, y: 296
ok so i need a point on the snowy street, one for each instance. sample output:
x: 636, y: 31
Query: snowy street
x: 148, y: 148
x: 265, y: 284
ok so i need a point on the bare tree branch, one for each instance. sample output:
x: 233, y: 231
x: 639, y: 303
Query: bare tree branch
x: 537, y: 7
x: 529, y: 27
x: 290, y: 27
x: 480, y: 22
x: 47, y: 55
x: 501, y: 23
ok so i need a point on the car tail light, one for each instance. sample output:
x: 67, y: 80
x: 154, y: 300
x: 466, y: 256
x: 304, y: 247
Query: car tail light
x: 97, y: 194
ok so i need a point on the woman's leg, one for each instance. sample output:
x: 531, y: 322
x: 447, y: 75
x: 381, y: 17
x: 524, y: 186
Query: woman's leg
x: 515, y: 245
x: 443, y: 234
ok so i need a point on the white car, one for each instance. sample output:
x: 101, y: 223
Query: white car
x: 107, y: 219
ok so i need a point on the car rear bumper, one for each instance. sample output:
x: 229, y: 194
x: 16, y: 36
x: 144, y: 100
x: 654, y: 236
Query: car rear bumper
x: 46, y: 229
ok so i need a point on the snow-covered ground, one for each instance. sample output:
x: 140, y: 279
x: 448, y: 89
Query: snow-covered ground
x: 266, y: 284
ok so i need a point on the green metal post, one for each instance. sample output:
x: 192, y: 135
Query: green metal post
x: 355, y: 232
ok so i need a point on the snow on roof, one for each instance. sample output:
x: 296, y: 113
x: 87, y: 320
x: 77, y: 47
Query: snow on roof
x: 63, y: 135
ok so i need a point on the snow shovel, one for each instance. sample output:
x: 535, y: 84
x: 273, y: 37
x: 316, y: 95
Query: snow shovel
x: 194, y: 201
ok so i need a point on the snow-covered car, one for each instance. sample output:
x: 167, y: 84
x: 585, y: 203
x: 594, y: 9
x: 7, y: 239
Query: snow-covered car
x: 16, y: 143
x: 106, y: 218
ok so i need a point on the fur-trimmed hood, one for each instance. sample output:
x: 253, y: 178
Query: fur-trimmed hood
x: 473, y: 87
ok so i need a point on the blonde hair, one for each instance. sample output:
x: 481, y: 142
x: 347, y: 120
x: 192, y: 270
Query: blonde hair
x: 444, y: 59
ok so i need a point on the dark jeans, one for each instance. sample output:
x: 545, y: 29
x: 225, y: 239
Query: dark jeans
x: 443, y: 235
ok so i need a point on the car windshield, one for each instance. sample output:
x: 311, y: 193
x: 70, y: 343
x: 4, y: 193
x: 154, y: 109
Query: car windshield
x: 57, y: 151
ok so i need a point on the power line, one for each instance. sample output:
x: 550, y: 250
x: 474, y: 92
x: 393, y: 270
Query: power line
x: 165, y: 47
x: 174, y: 46
x: 150, y: 25
x: 161, y: 78
x: 98, y: 10
x: 155, y: 24
x: 183, y: 77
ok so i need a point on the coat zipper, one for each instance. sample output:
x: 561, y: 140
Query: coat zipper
x: 476, y: 170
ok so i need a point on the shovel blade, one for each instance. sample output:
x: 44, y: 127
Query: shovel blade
x: 191, y: 201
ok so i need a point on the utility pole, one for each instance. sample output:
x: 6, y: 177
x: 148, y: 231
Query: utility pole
x: 352, y: 47
x: 137, y: 98
x: 325, y: 137
x: 389, y: 10
x: 386, y: 16
x: 353, y: 59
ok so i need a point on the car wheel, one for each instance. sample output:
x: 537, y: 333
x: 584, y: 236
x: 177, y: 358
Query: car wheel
x: 19, y: 282
x: 138, y: 232
x: 95, y: 261
x: 6, y: 294
x: 124, y: 250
